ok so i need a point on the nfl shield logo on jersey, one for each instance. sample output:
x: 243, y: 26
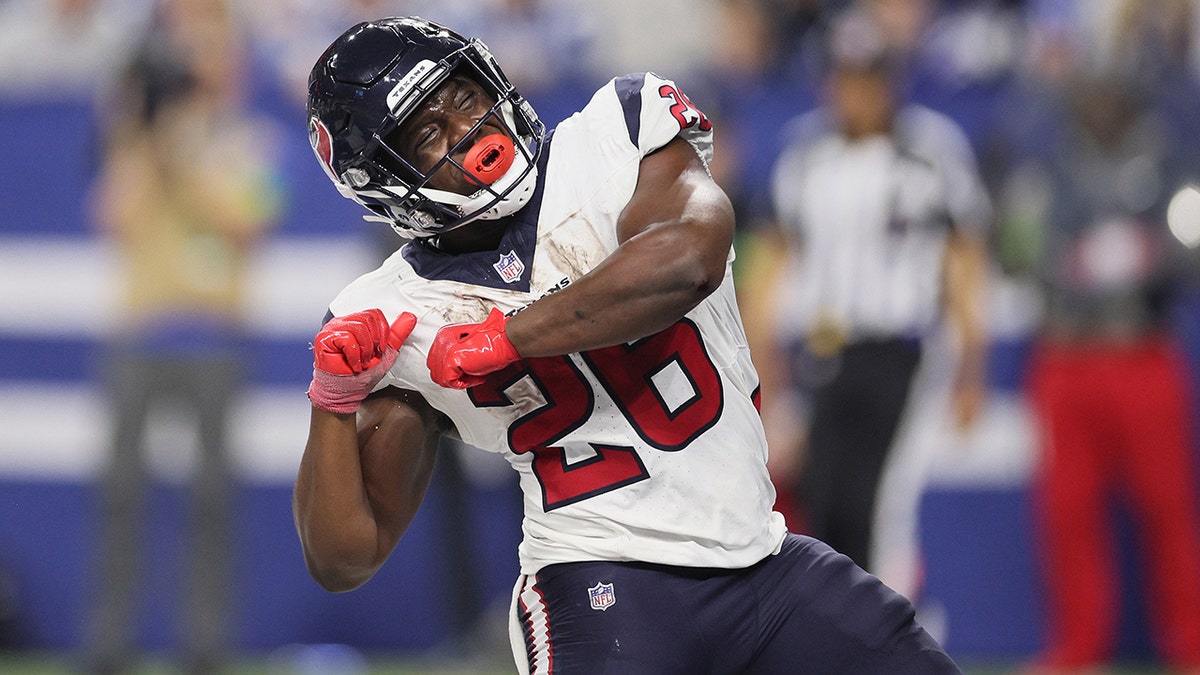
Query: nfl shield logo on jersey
x: 601, y: 596
x: 510, y: 267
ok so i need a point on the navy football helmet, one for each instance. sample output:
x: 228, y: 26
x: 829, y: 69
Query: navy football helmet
x: 364, y: 86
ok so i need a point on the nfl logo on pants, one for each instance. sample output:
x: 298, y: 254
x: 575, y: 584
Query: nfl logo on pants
x: 601, y: 596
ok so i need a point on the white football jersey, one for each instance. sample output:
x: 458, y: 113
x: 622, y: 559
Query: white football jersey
x: 650, y: 451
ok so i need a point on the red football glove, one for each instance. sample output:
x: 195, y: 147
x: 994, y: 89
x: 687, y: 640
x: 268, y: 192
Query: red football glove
x: 463, y: 353
x: 351, y: 354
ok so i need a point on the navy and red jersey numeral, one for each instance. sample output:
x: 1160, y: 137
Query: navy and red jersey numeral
x: 685, y: 112
x: 569, y: 403
x: 626, y: 372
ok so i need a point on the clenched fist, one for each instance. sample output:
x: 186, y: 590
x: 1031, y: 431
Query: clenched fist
x: 463, y: 353
x: 351, y: 354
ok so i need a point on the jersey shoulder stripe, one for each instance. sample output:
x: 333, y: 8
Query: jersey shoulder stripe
x: 629, y: 93
x: 649, y: 111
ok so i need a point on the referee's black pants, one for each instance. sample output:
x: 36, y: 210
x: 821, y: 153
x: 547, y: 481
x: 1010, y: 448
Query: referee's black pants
x: 855, y: 415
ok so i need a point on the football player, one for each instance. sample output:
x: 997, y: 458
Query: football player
x: 564, y: 299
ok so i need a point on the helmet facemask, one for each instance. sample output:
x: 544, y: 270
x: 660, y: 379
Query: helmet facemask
x: 397, y: 192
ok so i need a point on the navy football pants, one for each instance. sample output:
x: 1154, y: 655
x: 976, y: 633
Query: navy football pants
x: 808, y: 609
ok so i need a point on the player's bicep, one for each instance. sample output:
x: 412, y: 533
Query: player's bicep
x: 398, y: 434
x: 674, y: 190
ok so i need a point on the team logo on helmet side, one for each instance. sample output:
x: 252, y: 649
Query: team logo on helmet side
x: 322, y: 144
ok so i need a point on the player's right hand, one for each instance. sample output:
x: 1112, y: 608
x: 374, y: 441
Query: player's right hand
x: 351, y: 354
x: 463, y: 353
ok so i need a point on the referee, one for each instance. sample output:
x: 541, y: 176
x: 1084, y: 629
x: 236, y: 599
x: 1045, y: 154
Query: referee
x: 883, y: 213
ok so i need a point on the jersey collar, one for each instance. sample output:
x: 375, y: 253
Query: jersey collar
x: 509, y: 266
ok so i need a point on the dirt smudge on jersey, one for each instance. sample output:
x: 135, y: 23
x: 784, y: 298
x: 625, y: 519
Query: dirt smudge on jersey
x: 579, y: 251
x: 467, y: 309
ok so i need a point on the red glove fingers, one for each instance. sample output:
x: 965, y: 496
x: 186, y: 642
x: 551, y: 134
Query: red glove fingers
x: 351, y: 354
x: 463, y: 353
x: 339, y: 350
x: 353, y: 343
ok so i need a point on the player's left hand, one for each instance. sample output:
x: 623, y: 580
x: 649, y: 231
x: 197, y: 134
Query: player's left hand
x: 351, y: 354
x: 463, y: 353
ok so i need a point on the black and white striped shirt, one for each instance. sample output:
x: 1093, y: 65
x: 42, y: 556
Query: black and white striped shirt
x: 869, y: 219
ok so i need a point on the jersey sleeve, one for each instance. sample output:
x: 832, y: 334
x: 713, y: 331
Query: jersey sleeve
x: 655, y: 110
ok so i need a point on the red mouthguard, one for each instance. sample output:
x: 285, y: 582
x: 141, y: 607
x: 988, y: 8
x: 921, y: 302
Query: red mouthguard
x: 490, y: 158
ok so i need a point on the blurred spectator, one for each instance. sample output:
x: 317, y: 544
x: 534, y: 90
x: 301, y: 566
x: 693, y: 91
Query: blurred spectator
x: 902, y: 24
x: 547, y: 47
x: 883, y: 211
x: 56, y: 48
x: 289, y: 35
x: 755, y: 81
x: 1154, y: 42
x: 965, y: 64
x: 780, y: 29
x: 540, y: 42
x: 669, y: 36
x: 184, y: 192
x: 1151, y: 38
x: 1107, y: 379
